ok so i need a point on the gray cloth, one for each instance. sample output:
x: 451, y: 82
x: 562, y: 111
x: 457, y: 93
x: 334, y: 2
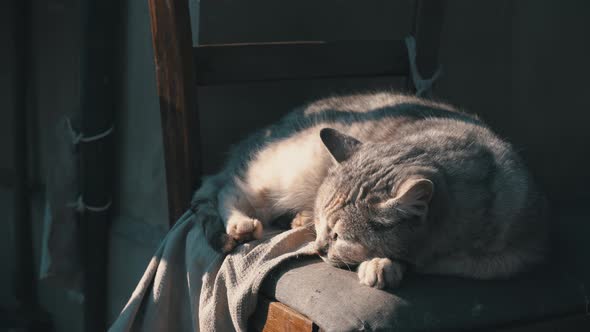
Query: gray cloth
x: 187, y: 286
x: 167, y: 296
x: 231, y: 288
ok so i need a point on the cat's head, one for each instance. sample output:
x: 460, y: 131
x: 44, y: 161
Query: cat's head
x: 364, y: 208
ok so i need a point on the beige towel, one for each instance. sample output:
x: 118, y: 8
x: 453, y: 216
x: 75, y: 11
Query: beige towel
x: 187, y: 286
x: 230, y: 289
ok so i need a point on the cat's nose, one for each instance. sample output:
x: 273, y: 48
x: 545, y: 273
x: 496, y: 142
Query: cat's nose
x: 321, y: 248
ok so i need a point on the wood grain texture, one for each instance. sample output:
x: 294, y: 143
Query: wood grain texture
x: 242, y: 63
x: 273, y: 316
x: 172, y: 42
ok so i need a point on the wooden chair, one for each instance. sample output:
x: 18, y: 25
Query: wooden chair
x: 182, y: 68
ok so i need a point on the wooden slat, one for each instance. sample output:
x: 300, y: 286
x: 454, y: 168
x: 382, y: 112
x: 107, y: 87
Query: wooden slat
x: 273, y: 316
x: 172, y: 41
x: 239, y: 63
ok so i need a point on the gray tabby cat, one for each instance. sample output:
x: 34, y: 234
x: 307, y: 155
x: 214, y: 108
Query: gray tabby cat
x: 390, y: 182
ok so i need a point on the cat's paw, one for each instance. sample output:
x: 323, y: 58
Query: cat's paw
x: 244, y: 229
x: 380, y: 273
x: 302, y: 219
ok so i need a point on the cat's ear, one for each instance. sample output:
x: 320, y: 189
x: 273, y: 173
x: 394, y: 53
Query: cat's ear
x: 412, y: 197
x: 340, y: 146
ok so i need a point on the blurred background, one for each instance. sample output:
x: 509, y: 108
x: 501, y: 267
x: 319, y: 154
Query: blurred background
x: 523, y: 66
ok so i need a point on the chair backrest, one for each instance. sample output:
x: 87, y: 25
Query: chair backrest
x: 181, y: 67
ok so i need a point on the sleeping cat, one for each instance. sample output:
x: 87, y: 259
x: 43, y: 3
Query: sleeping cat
x: 389, y: 182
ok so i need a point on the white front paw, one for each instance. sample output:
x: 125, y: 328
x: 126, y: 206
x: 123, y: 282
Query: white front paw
x: 380, y: 273
x: 244, y: 229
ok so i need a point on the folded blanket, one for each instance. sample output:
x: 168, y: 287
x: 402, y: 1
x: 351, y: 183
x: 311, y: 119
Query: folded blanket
x: 187, y: 286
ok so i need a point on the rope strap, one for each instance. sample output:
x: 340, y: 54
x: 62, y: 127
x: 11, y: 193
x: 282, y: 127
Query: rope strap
x: 79, y: 137
x: 82, y: 207
x: 422, y: 85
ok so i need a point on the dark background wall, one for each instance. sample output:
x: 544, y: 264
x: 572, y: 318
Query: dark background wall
x: 6, y: 142
x: 521, y: 65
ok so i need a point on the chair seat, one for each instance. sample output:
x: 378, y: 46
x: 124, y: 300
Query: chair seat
x: 335, y: 301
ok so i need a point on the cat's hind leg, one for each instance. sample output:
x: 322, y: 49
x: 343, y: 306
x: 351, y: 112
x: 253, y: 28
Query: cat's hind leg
x: 223, y: 209
x: 205, y: 207
x: 238, y: 213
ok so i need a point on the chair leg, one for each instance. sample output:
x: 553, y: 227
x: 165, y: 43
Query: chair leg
x: 273, y: 316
